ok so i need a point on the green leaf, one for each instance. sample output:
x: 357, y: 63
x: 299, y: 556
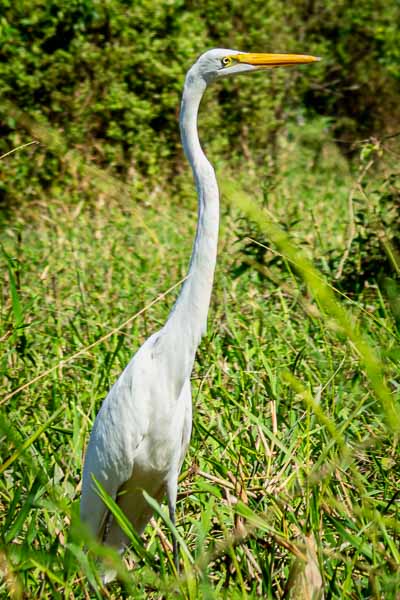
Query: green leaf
x: 16, y: 304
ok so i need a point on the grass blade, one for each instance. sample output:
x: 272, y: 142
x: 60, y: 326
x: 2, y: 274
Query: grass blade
x: 30, y: 441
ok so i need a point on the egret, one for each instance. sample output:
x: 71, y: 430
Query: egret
x: 142, y: 431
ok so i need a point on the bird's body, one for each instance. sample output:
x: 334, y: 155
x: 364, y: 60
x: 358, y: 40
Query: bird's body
x: 134, y: 445
x: 142, y: 430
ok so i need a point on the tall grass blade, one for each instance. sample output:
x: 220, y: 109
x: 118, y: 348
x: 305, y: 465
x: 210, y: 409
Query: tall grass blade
x: 167, y: 521
x: 123, y: 523
x: 30, y: 440
x: 15, y: 301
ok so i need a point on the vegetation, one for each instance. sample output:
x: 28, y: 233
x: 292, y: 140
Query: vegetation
x: 107, y: 77
x: 293, y: 469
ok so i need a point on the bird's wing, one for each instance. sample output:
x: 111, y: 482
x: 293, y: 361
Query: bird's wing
x: 115, y: 440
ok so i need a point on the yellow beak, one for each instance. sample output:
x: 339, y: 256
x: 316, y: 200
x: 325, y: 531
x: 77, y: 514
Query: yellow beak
x: 274, y: 60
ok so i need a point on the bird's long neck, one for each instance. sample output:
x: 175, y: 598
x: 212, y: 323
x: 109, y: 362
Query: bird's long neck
x: 188, y: 318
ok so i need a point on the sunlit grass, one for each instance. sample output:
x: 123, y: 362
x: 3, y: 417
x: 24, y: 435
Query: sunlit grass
x: 294, y: 450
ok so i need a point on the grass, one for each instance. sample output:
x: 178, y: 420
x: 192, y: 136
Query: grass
x: 293, y: 466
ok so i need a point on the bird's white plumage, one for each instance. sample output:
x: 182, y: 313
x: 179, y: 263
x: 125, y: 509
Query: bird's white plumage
x: 141, y: 433
x: 138, y: 440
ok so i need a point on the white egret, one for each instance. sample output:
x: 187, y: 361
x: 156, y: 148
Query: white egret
x: 142, y: 431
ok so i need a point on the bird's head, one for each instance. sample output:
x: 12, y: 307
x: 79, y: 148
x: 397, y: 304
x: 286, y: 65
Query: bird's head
x: 219, y: 62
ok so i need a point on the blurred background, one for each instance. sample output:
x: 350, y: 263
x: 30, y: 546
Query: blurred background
x: 107, y: 77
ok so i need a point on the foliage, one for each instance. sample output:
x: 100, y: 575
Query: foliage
x: 107, y: 76
x: 292, y: 451
x: 369, y: 253
x: 373, y: 244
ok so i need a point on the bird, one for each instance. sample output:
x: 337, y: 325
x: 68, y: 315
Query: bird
x: 142, y: 431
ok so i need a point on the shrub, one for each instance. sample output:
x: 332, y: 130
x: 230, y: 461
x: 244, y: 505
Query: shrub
x: 107, y: 77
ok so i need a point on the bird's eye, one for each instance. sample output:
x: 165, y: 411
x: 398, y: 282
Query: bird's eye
x: 226, y: 61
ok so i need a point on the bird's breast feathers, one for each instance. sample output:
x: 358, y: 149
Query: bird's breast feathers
x: 141, y: 420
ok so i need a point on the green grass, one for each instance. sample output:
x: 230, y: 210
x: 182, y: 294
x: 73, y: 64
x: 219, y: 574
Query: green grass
x: 294, y: 455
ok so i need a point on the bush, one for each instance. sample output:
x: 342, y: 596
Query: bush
x: 108, y: 76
